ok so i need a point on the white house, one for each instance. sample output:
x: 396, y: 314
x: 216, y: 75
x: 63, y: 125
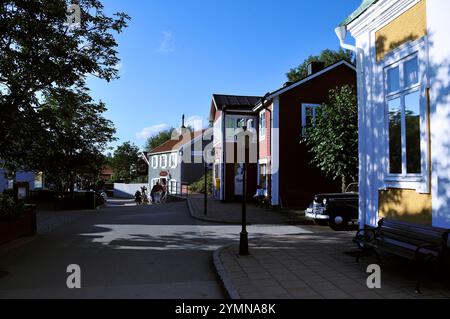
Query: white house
x: 403, y: 51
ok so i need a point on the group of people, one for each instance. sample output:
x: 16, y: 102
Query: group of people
x: 158, y: 194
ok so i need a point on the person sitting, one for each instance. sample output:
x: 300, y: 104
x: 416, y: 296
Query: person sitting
x: 260, y: 196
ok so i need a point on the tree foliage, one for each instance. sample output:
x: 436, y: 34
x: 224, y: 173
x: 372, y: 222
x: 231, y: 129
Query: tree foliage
x: 40, y: 52
x: 327, y: 56
x: 125, y: 162
x: 158, y: 139
x: 76, y: 136
x: 333, y: 140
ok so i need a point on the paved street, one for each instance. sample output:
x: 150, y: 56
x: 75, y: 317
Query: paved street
x: 124, y: 252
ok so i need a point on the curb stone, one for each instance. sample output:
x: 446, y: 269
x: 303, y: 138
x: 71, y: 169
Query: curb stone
x: 209, y: 220
x: 227, y: 283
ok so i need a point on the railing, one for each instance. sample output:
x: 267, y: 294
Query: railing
x: 181, y: 190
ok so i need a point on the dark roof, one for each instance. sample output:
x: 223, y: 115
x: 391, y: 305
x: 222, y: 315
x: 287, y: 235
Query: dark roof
x: 235, y: 101
x: 311, y: 76
x: 174, y: 145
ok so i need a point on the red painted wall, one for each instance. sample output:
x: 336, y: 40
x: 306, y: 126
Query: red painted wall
x: 299, y: 180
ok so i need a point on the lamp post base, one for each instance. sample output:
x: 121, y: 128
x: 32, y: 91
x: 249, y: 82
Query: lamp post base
x: 243, y: 246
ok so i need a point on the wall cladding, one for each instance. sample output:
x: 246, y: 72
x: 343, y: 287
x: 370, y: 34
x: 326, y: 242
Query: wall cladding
x: 405, y: 205
x: 410, y: 26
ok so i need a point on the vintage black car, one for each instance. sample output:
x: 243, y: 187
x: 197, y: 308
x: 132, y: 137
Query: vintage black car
x: 339, y: 211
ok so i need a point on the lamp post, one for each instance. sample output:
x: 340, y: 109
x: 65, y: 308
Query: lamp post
x: 243, y: 245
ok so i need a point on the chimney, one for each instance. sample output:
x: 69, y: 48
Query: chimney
x: 315, y: 67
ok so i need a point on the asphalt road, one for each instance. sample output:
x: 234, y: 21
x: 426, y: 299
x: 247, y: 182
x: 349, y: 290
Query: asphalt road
x: 124, y: 251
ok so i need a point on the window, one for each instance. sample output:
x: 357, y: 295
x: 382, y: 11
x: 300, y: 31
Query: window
x: 173, y: 160
x: 405, y: 117
x: 263, y: 176
x: 173, y: 187
x: 155, y: 162
x: 262, y: 125
x: 163, y: 161
x: 309, y: 112
x: 230, y: 128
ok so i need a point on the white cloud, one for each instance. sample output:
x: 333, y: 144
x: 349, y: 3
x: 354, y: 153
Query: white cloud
x: 167, y: 44
x: 151, y: 131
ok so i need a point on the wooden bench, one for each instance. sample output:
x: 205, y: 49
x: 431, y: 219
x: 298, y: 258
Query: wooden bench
x: 418, y: 243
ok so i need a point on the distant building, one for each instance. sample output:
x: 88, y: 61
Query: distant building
x: 35, y: 180
x: 179, y: 161
x: 229, y: 114
x: 106, y: 174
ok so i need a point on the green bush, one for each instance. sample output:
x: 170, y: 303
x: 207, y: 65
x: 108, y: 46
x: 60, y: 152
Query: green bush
x: 9, y: 209
x: 199, y: 186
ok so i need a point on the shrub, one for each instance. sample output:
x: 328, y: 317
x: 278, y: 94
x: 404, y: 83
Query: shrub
x: 9, y: 209
x: 199, y: 186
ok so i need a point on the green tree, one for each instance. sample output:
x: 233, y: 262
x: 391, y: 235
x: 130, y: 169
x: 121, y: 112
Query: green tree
x: 125, y: 162
x: 40, y: 52
x: 76, y: 136
x: 162, y: 137
x: 333, y: 139
x: 327, y: 56
x: 158, y: 139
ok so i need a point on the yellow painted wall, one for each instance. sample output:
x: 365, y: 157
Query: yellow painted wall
x: 406, y: 205
x: 410, y: 26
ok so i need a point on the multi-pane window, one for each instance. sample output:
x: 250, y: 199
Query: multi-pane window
x: 309, y: 112
x: 155, y: 162
x: 262, y: 125
x: 405, y: 121
x: 173, y: 160
x: 163, y: 160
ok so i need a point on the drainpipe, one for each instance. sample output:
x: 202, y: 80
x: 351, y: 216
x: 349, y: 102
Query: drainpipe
x: 341, y: 33
x: 269, y: 141
x: 224, y: 151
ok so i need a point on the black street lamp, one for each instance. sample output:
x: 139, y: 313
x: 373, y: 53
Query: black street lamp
x: 243, y: 246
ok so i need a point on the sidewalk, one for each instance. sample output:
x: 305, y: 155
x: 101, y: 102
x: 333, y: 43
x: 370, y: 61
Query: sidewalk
x: 315, y: 266
x: 231, y: 213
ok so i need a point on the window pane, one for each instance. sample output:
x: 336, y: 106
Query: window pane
x: 412, y: 117
x: 393, y: 80
x: 395, y: 136
x: 411, y: 72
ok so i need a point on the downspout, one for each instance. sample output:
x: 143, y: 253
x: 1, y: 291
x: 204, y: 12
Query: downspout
x: 341, y: 33
x: 224, y: 151
x: 270, y: 146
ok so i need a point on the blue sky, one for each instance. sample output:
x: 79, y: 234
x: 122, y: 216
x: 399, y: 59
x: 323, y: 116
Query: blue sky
x: 177, y: 53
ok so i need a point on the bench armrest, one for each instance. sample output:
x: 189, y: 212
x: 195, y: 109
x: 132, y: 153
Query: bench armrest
x: 366, y: 234
x: 426, y: 246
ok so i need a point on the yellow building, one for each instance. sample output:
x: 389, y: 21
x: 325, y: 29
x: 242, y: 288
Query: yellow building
x: 403, y: 56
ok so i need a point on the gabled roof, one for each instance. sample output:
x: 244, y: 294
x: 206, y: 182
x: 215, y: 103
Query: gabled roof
x: 235, y: 101
x: 306, y: 79
x: 176, y: 145
x: 365, y: 5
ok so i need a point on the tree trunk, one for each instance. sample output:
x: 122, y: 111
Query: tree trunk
x: 344, y: 183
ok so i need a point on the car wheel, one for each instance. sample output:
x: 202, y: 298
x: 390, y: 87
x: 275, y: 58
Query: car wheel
x: 337, y: 223
x: 320, y: 222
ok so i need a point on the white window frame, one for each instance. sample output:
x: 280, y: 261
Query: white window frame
x: 154, y: 162
x: 173, y: 160
x: 262, y: 128
x: 170, y: 188
x: 304, y: 107
x: 162, y: 163
x: 403, y: 54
